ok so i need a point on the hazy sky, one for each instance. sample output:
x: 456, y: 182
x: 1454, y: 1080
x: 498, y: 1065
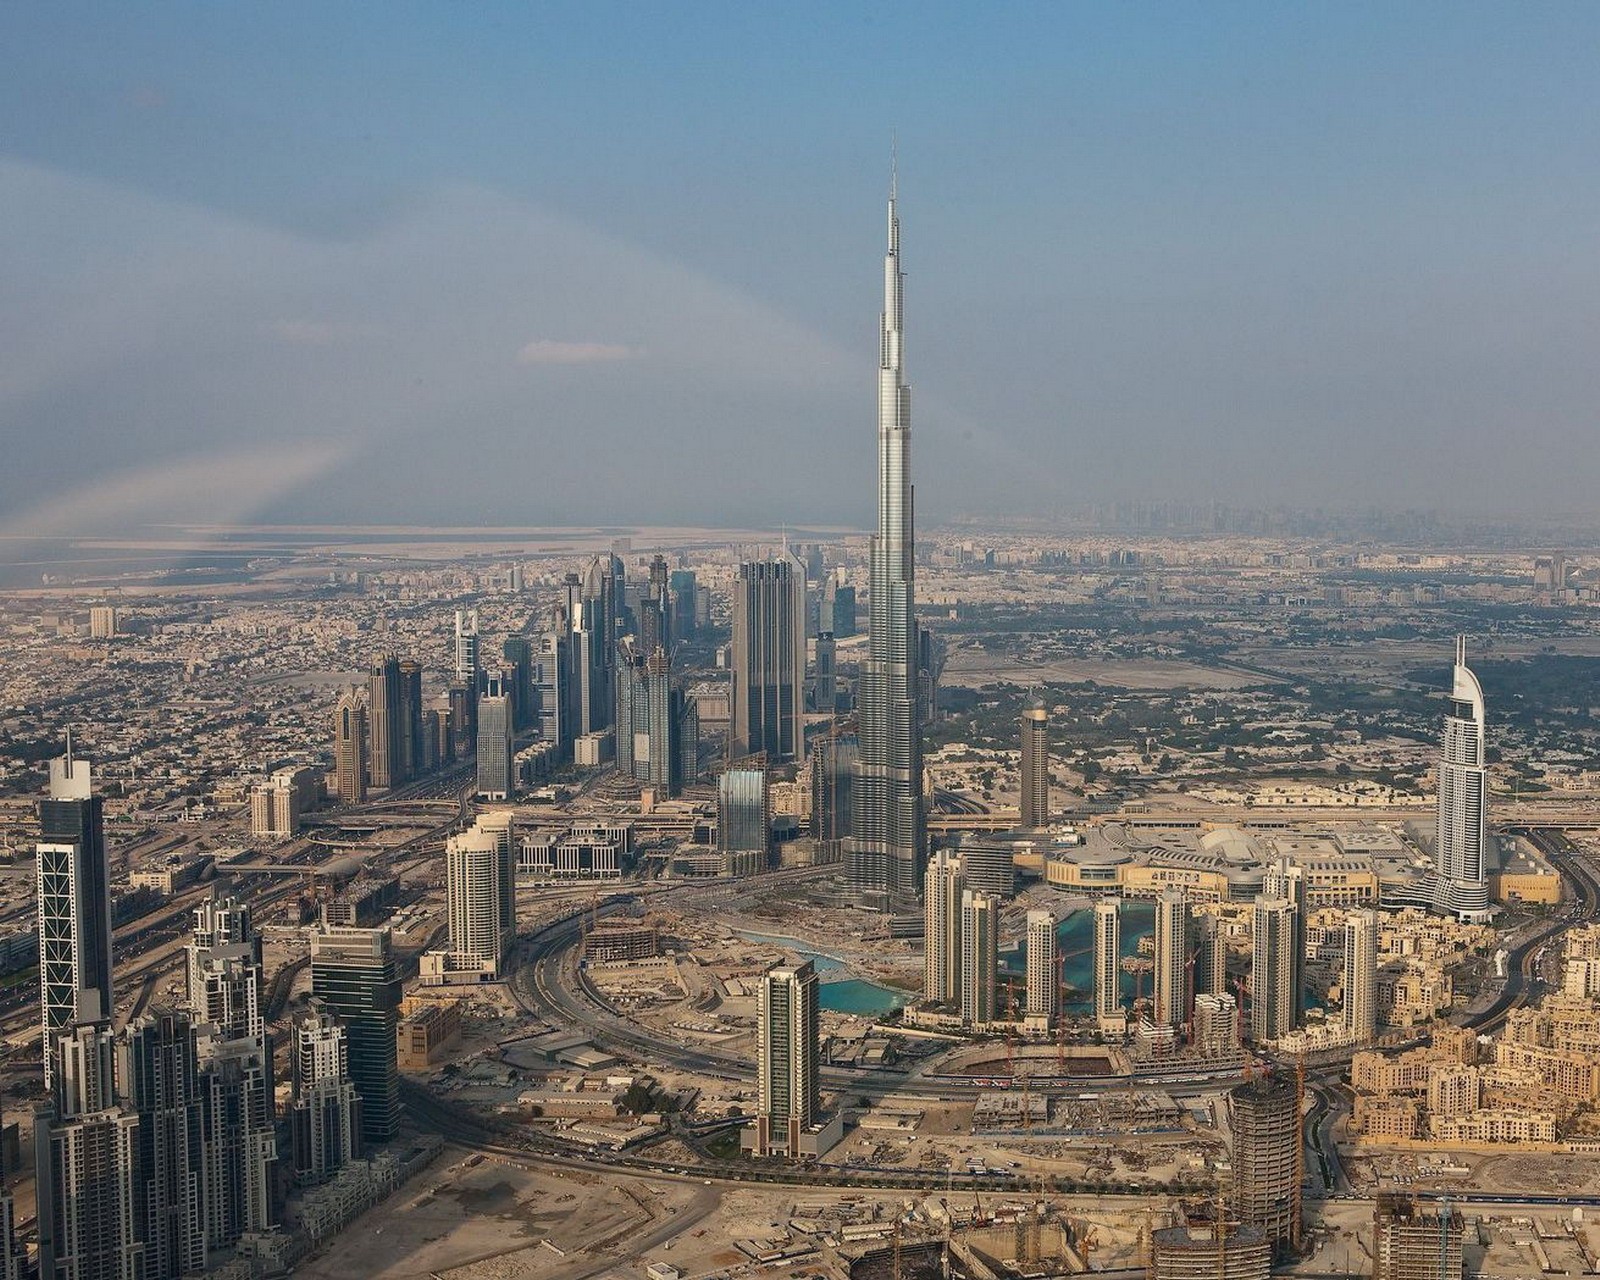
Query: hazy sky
x: 540, y: 263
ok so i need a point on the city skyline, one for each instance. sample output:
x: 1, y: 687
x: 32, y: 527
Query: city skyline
x: 1083, y: 888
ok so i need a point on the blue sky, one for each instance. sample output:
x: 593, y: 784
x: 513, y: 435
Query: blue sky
x: 543, y: 263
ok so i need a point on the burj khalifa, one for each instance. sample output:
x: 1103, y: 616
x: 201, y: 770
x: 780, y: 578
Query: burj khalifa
x: 889, y: 830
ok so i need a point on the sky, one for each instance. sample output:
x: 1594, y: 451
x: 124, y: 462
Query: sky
x: 538, y: 264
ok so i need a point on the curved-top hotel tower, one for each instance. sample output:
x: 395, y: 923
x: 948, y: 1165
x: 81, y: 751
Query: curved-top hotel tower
x: 1460, y: 855
x: 885, y: 851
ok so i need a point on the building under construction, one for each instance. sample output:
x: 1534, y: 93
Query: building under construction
x: 618, y: 941
x: 1267, y: 1159
x: 1210, y: 1251
x: 1411, y: 1243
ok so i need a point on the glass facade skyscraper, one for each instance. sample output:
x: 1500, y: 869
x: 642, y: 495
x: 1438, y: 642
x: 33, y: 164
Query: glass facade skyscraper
x: 886, y: 847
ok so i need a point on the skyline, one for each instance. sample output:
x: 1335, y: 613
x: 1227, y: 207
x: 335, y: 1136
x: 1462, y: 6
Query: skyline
x: 443, y: 270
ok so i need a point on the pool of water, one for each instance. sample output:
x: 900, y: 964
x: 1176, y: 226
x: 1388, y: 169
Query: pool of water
x: 855, y: 995
x: 839, y: 994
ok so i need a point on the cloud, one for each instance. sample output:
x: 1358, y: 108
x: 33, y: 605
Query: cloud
x: 549, y: 351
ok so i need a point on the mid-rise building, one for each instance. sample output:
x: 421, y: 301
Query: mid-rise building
x: 788, y: 1066
x: 353, y: 973
x: 980, y: 951
x: 102, y: 621
x: 1040, y: 945
x: 1216, y: 1025
x: 74, y: 905
x: 1410, y: 1242
x: 1034, y: 806
x: 278, y: 804
x: 744, y: 822
x: 768, y: 660
x: 1210, y: 1251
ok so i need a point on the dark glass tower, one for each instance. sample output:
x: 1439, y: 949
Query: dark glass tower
x: 353, y: 973
x: 74, y: 905
x: 885, y: 863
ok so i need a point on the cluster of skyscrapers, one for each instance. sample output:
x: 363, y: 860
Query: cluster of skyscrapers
x: 159, y: 1144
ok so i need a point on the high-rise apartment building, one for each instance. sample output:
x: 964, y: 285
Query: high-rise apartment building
x: 158, y: 1078
x: 74, y: 905
x: 1211, y: 955
x: 1461, y: 844
x: 1216, y: 1025
x: 496, y: 758
x: 744, y: 822
x: 234, y: 1051
x: 1040, y: 945
x: 980, y: 956
x: 353, y: 973
x: 350, y: 748
x: 788, y: 1066
x: 1274, y: 969
x: 886, y: 847
x: 1109, y: 1013
x: 1361, y: 975
x: 1265, y: 1117
x: 325, y: 1114
x: 1172, y: 959
x: 769, y: 660
x: 941, y: 929
x: 86, y: 1151
x: 1034, y: 806
x: 480, y: 889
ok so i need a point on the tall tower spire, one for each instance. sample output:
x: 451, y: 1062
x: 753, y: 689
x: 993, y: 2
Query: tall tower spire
x: 885, y: 862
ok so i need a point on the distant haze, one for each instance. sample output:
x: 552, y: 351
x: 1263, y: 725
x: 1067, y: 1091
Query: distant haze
x: 511, y: 264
